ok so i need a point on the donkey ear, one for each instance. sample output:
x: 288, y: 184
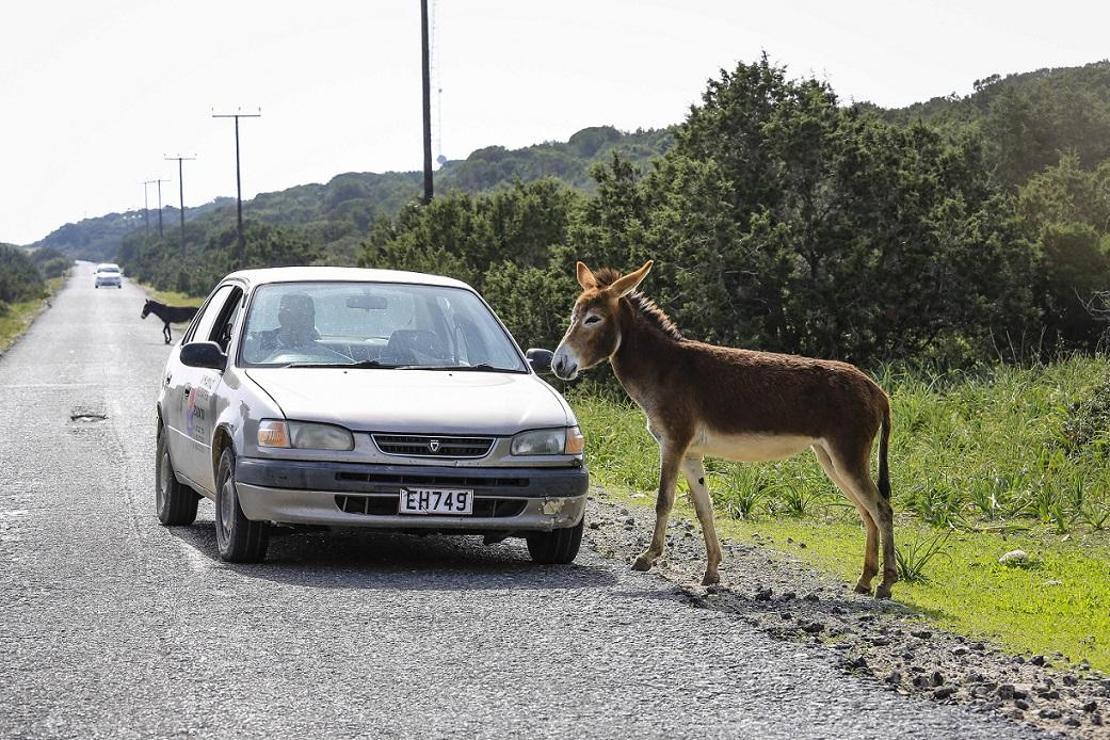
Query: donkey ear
x: 625, y: 284
x: 585, y: 277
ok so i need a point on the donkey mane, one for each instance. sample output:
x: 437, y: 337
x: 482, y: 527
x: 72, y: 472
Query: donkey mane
x: 643, y: 305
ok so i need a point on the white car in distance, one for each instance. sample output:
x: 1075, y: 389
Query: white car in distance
x: 108, y: 273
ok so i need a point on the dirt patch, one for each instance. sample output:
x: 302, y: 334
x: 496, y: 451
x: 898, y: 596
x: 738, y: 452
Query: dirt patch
x: 881, y: 640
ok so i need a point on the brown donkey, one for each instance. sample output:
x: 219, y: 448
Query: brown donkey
x: 701, y: 400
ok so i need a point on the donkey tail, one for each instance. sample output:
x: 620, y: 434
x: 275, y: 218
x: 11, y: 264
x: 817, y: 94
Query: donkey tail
x: 884, y: 444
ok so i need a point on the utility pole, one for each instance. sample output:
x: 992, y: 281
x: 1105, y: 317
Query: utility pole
x: 238, y: 180
x: 427, y: 102
x: 146, y: 206
x: 181, y: 192
x: 161, y: 234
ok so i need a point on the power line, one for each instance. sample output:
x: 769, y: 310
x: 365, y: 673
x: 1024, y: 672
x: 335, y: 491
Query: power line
x: 181, y: 191
x: 238, y: 180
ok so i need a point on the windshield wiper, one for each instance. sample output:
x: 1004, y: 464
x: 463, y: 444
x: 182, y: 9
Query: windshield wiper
x: 376, y: 364
x: 484, y: 367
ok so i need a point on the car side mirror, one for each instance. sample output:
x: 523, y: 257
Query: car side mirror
x: 203, y: 354
x: 539, y: 359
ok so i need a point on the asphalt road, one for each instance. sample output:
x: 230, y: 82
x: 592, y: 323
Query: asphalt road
x: 114, y: 626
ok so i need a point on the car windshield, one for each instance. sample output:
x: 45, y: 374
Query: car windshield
x: 374, y: 325
x: 107, y: 268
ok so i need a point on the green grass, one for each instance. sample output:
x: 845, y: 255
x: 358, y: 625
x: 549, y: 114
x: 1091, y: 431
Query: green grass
x: 19, y: 316
x: 983, y: 457
x: 171, y: 297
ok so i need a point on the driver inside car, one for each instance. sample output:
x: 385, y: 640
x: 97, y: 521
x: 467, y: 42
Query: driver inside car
x: 296, y: 325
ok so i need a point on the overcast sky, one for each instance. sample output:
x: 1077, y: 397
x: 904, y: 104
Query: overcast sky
x: 93, y: 93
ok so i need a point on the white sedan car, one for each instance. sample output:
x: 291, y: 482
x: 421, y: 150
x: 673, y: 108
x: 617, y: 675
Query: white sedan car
x: 107, y: 273
x: 364, y: 398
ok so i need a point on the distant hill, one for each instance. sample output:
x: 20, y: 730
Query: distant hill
x: 1028, y: 119
x: 568, y: 161
x: 98, y: 239
x: 339, y: 213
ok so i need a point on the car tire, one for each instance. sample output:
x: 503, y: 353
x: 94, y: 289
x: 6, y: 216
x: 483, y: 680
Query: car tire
x: 557, y: 547
x: 238, y: 539
x: 175, y: 503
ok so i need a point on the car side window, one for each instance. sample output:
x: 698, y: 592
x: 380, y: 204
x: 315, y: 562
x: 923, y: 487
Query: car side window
x: 202, y: 328
x: 221, y: 333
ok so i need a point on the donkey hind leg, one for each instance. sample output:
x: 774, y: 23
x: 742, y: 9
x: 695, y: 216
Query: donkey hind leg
x: 166, y: 333
x: 855, y: 470
x: 694, y: 470
x: 871, y: 548
x: 670, y: 460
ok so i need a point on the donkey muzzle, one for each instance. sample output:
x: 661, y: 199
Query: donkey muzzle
x: 563, y: 364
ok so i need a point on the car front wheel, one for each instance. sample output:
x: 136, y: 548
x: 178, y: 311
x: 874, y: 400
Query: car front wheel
x: 176, y: 504
x: 238, y: 539
x: 558, y: 547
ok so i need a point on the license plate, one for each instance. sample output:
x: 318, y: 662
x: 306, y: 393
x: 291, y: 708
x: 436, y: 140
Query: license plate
x: 456, y: 501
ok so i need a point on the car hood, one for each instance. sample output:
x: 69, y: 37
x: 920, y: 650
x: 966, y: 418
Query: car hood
x: 415, y: 401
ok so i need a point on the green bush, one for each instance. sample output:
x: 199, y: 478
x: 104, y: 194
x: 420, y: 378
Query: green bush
x: 778, y: 220
x: 19, y: 278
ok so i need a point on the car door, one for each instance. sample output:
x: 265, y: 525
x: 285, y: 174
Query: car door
x: 189, y: 397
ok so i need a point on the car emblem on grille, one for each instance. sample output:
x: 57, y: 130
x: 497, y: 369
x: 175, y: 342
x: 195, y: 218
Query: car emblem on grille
x: 433, y: 445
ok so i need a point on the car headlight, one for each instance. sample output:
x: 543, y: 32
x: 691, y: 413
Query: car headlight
x: 303, y: 435
x: 561, y: 441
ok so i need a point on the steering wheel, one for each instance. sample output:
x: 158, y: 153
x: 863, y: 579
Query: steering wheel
x: 316, y: 353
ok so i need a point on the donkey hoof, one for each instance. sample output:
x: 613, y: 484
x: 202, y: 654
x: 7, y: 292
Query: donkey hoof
x: 883, y: 591
x: 862, y: 588
x: 642, y: 563
x: 710, y: 579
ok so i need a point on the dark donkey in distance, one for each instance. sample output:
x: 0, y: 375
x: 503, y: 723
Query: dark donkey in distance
x: 737, y: 404
x: 169, y: 315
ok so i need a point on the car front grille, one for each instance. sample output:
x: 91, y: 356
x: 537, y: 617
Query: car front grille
x: 448, y: 480
x: 492, y: 508
x: 426, y: 445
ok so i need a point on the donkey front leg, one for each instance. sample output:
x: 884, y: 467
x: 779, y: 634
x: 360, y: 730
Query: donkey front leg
x: 694, y: 470
x: 670, y: 460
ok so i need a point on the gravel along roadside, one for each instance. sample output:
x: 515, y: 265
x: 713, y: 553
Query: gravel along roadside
x: 881, y: 640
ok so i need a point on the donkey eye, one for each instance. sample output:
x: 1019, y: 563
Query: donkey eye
x: 592, y: 320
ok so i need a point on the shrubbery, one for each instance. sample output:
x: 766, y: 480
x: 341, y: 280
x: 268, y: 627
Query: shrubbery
x: 196, y: 270
x: 19, y: 278
x: 782, y: 220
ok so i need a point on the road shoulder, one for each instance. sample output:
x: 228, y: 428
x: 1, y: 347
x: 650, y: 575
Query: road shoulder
x: 882, y: 641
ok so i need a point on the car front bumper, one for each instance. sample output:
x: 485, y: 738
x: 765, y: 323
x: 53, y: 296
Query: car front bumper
x: 362, y: 495
x: 108, y: 281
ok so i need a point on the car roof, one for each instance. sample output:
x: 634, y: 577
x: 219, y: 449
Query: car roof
x: 340, y: 274
x: 107, y: 264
